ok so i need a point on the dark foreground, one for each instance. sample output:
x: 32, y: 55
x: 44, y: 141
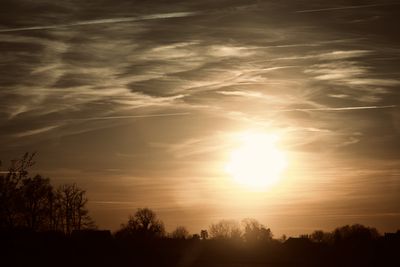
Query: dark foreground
x: 100, y: 248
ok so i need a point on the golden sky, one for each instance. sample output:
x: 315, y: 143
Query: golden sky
x: 143, y: 104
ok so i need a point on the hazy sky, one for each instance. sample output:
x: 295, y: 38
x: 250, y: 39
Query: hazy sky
x: 141, y: 103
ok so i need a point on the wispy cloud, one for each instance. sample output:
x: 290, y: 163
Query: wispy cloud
x: 36, y: 131
x: 103, y: 21
x: 342, y: 8
x: 334, y: 55
x: 349, y: 73
x: 129, y: 116
x: 242, y: 93
x: 339, y: 109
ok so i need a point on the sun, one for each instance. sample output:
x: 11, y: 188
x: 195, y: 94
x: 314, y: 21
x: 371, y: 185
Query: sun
x: 258, y: 163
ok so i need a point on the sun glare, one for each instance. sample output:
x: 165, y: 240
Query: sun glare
x: 258, y: 163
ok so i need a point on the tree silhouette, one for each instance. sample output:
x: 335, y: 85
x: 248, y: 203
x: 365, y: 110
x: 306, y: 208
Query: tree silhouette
x: 320, y: 236
x: 10, y: 191
x: 225, y: 229
x: 72, y: 201
x: 35, y: 194
x: 180, y: 232
x: 254, y: 231
x: 204, y: 234
x: 143, y: 224
x: 355, y: 233
x: 32, y: 202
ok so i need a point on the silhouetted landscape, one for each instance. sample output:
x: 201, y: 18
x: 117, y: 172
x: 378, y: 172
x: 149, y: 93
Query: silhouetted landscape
x: 204, y: 133
x: 43, y: 226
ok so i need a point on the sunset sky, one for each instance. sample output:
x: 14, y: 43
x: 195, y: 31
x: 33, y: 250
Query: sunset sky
x: 142, y: 103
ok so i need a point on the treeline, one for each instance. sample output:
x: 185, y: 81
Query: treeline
x: 355, y: 232
x: 46, y: 224
x: 144, y: 223
x: 143, y: 241
x: 31, y: 202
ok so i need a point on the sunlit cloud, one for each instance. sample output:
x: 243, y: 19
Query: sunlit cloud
x: 339, y: 109
x: 343, y: 8
x: 129, y: 116
x: 36, y: 131
x: 102, y: 21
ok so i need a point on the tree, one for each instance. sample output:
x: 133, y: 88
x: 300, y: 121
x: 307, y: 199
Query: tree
x: 35, y: 193
x: 71, y: 201
x: 180, y: 232
x: 225, y: 229
x: 143, y: 224
x: 204, y: 234
x: 32, y: 202
x: 265, y: 234
x: 10, y: 191
x: 254, y: 231
x: 356, y: 233
x: 320, y: 236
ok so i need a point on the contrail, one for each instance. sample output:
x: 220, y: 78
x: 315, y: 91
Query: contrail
x: 338, y: 109
x: 36, y: 131
x: 103, y: 21
x: 129, y: 116
x: 114, y: 202
x: 49, y: 128
x: 342, y: 8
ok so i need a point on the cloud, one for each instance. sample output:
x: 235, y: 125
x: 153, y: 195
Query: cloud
x: 36, y: 131
x: 339, y: 109
x: 334, y: 55
x: 242, y: 93
x: 102, y: 21
x: 343, y: 8
x: 129, y: 117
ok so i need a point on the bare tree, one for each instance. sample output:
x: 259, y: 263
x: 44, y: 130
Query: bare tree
x: 254, y: 231
x: 71, y: 202
x: 143, y: 224
x: 225, y: 229
x: 10, y: 191
x: 354, y: 233
x: 180, y: 232
x: 33, y: 202
x: 35, y: 194
x: 320, y: 236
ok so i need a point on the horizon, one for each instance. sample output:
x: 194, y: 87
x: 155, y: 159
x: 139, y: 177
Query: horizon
x: 288, y: 113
